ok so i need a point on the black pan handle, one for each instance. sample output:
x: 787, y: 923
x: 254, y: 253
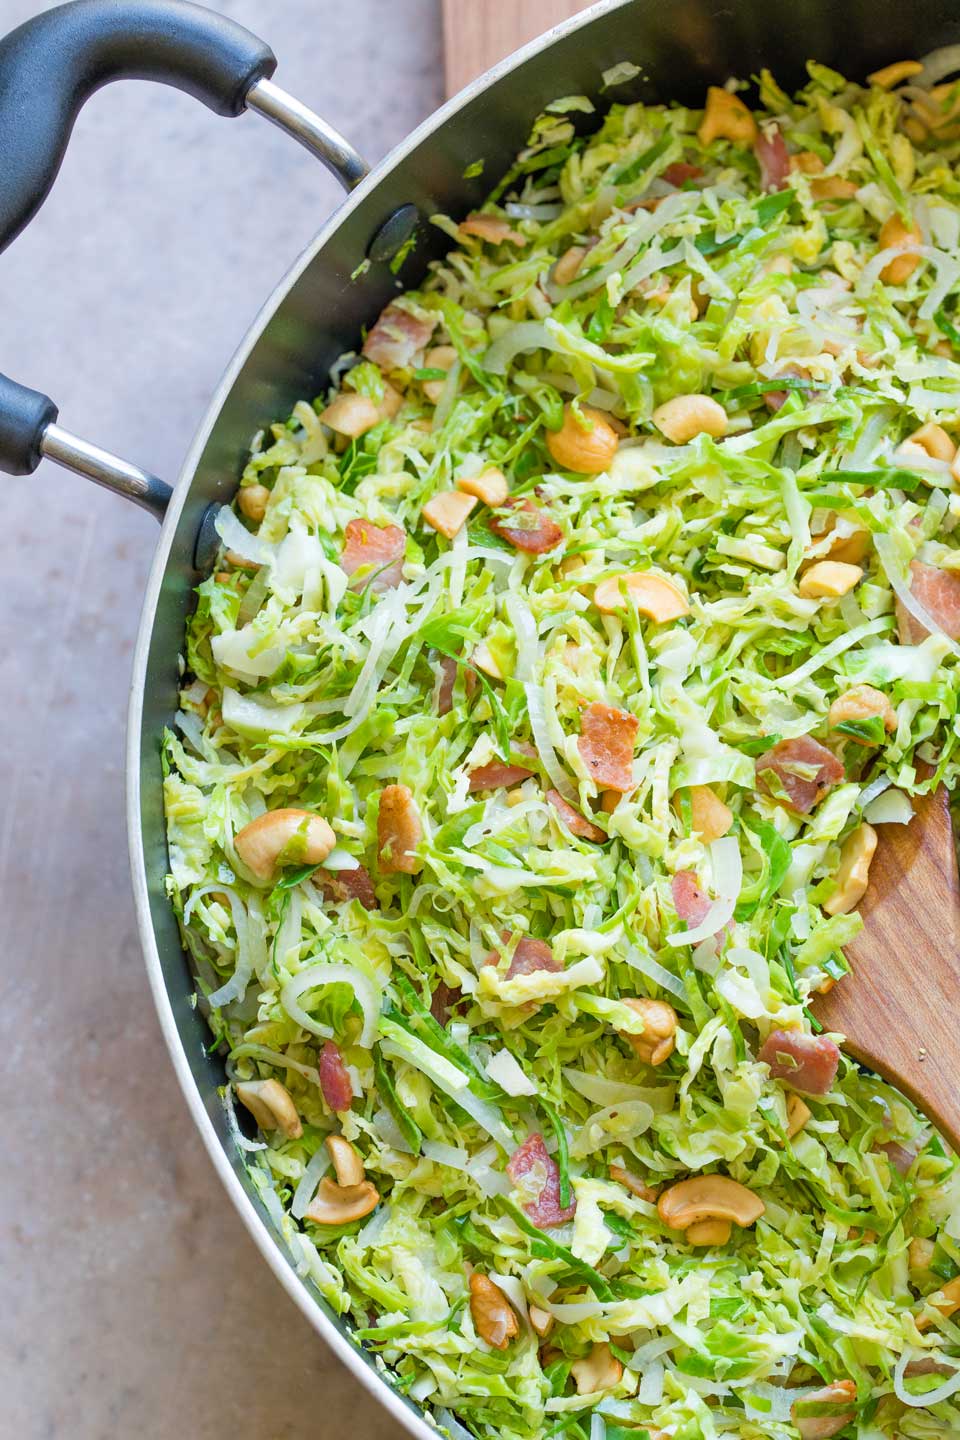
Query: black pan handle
x: 49, y: 67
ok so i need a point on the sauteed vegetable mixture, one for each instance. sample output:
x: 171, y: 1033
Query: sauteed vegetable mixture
x: 562, y: 665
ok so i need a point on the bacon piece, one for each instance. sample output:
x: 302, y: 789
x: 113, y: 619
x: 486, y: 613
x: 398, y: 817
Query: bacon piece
x: 398, y: 338
x: 442, y: 1002
x: 334, y: 1081
x: 576, y: 823
x: 776, y: 399
x: 773, y: 157
x: 399, y: 831
x: 938, y: 591
x: 802, y: 793
x: 900, y: 1157
x: 822, y: 1427
x: 497, y: 775
x: 339, y: 886
x: 448, y: 678
x: 606, y: 745
x: 690, y: 902
x: 679, y: 172
x: 527, y: 526
x: 534, y: 1160
x: 375, y: 550
x: 491, y: 228
x: 530, y: 955
x: 805, y: 1062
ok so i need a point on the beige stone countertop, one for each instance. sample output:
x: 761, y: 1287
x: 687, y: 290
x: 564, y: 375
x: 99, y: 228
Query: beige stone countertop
x: 133, y: 1302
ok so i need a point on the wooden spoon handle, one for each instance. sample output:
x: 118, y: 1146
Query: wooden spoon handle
x: 478, y: 33
x: 899, y: 1007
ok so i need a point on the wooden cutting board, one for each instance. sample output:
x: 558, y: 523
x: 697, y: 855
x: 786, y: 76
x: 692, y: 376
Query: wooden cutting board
x: 478, y: 33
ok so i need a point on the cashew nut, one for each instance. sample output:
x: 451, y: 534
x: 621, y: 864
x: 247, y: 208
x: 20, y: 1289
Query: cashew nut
x: 710, y: 817
x: 798, y: 1113
x: 399, y: 831
x: 821, y: 1427
x: 270, y: 1105
x: 565, y: 270
x: 920, y: 1253
x: 441, y: 357
x: 863, y: 702
x: 807, y: 162
x: 686, y: 416
x: 352, y: 415
x: 493, y: 1316
x: 850, y: 543
x: 449, y: 511
x: 833, y: 187
x: 253, y: 501
x: 933, y: 439
x: 600, y: 1370
x: 891, y: 75
x: 586, y: 452
x: 285, y: 837
x: 346, y: 1162
x: 652, y: 595
x: 708, y: 1197
x: 948, y: 1303
x: 490, y: 485
x: 709, y: 1232
x: 725, y: 117
x: 659, y: 1030
x: 491, y: 228
x: 893, y: 232
x: 337, y: 1205
x: 853, y: 872
x: 633, y: 1183
x: 541, y: 1320
x: 828, y: 580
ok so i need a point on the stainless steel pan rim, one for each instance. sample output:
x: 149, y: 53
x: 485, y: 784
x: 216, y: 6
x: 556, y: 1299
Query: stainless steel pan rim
x: 266, y: 1241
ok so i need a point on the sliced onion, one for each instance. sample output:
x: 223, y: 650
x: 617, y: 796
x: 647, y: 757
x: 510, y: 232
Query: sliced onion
x: 368, y: 996
x: 651, y: 1386
x: 525, y: 630
x: 339, y: 859
x: 929, y: 1397
x: 448, y: 1155
x: 893, y: 807
x: 316, y: 1166
x: 237, y: 538
x: 537, y: 712
x: 726, y: 878
x: 236, y: 987
x: 505, y: 1071
x: 250, y: 1051
x: 655, y: 972
x: 602, y: 1091
x: 887, y: 555
x: 940, y: 63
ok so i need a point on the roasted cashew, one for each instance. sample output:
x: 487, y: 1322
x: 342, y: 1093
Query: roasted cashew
x: 271, y: 1106
x: 298, y: 836
x: 706, y: 1197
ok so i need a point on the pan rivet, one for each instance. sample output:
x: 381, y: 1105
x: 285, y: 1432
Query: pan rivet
x: 394, y: 233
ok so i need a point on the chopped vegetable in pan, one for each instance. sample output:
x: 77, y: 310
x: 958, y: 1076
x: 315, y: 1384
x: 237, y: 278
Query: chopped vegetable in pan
x: 560, y: 671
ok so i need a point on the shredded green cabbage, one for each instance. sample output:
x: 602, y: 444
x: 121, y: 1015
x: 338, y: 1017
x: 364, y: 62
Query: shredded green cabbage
x: 468, y: 976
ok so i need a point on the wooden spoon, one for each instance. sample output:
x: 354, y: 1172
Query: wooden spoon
x: 897, y: 1008
x: 900, y: 1009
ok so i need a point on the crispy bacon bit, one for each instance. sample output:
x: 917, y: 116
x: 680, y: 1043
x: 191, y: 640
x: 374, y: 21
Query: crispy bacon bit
x: 491, y: 228
x: 680, y: 172
x: 534, y: 1161
x: 527, y: 526
x: 399, y: 831
x: 442, y: 1002
x: 334, y: 1081
x: 805, y: 770
x: 339, y: 886
x: 805, y: 1062
x: 398, y: 338
x: 448, y: 678
x: 773, y: 157
x: 376, y: 552
x: 606, y: 745
x: 841, y: 1393
x: 497, y: 776
x: 689, y: 901
x: 900, y: 1157
x: 938, y: 591
x: 576, y: 823
x: 530, y: 955
x: 633, y: 1183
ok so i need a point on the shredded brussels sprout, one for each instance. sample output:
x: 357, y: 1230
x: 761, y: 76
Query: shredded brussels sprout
x: 599, y: 609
